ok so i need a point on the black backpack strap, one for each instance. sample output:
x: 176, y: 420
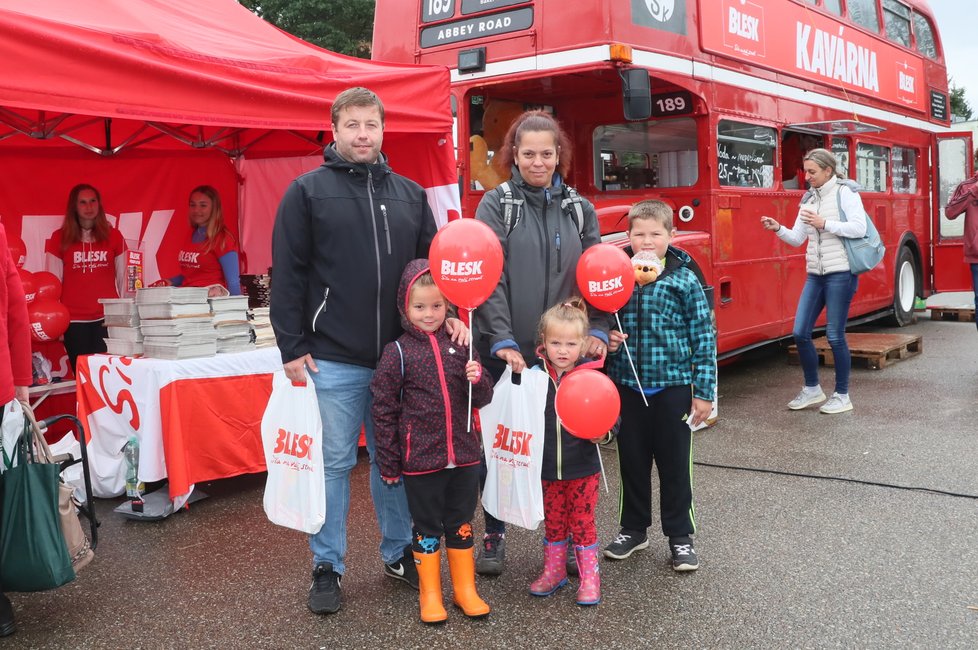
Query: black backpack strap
x: 573, y: 204
x: 508, y: 202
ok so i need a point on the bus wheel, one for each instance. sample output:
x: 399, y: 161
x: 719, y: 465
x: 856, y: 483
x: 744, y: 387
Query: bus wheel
x: 905, y: 287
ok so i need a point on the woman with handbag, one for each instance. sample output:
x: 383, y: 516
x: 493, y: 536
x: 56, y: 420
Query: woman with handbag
x: 15, y: 368
x: 830, y: 212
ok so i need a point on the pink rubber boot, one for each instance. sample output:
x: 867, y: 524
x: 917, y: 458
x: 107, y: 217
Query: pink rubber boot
x: 589, y: 593
x: 554, y: 574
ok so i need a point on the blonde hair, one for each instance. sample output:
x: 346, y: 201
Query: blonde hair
x: 423, y: 280
x: 824, y: 159
x: 651, y: 209
x: 573, y: 311
x: 217, y: 233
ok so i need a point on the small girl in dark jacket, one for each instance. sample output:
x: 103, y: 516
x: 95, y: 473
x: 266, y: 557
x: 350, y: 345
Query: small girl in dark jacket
x: 570, y: 465
x: 420, y: 412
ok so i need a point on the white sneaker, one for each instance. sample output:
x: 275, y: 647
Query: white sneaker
x: 809, y: 395
x: 837, y: 404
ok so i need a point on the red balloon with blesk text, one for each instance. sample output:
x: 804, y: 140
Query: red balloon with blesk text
x: 30, y: 286
x: 466, y: 262
x: 18, y: 251
x: 587, y: 403
x: 48, y: 319
x: 48, y: 285
x: 605, y: 277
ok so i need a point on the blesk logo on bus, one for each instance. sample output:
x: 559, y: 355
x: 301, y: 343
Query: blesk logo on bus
x: 818, y: 48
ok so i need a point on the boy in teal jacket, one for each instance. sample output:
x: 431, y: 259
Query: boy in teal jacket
x: 673, y: 344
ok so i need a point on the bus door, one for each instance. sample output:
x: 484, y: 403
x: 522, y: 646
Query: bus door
x: 953, y: 165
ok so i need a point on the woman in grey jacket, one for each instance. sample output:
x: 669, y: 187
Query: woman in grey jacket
x: 543, y: 226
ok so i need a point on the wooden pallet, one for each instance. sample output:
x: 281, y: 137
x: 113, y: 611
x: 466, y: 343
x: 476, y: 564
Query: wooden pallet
x: 963, y: 314
x: 875, y: 350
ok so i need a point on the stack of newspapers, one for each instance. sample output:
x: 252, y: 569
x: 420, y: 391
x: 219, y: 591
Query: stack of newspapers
x: 122, y: 322
x: 176, y: 322
x: 264, y: 334
x: 229, y: 315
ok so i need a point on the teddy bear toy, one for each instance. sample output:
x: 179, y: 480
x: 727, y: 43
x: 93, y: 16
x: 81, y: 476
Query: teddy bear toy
x: 648, y: 267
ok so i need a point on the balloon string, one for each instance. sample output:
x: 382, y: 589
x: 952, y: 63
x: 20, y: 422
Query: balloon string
x: 471, y: 344
x: 604, y: 476
x: 631, y: 363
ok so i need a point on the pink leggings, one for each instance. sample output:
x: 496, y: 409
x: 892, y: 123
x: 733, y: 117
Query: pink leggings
x: 568, y: 509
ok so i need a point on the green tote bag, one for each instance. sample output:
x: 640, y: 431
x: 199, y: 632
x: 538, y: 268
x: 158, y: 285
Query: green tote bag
x: 33, y: 554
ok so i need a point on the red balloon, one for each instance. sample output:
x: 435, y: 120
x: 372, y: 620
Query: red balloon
x: 48, y: 285
x: 466, y: 262
x: 49, y: 319
x: 30, y: 286
x: 18, y: 251
x: 587, y: 403
x: 605, y: 277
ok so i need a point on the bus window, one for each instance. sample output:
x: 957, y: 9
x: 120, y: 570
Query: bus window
x: 924, y: 34
x: 863, y: 12
x: 834, y: 6
x: 640, y: 155
x: 840, y: 148
x: 897, y: 18
x: 871, y: 166
x: 745, y: 154
x: 794, y: 146
x: 904, y: 170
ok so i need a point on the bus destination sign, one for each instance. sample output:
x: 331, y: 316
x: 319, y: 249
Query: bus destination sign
x: 478, y: 27
x: 476, y: 6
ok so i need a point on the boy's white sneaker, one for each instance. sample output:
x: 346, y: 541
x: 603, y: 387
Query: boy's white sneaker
x: 809, y: 395
x: 837, y: 404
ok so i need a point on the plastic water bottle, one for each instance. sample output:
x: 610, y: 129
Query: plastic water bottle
x: 134, y: 488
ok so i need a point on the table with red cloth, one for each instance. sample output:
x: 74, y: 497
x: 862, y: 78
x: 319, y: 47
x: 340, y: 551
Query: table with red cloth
x: 195, y: 419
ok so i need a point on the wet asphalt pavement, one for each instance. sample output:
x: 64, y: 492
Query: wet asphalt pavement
x: 789, y: 558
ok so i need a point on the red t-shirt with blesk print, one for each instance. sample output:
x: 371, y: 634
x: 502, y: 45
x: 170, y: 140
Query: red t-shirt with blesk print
x: 202, y: 268
x: 88, y: 273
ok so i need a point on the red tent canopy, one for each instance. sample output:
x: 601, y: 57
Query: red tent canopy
x: 206, y: 73
x: 147, y: 99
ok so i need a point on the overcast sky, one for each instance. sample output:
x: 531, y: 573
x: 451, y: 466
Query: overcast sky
x: 957, y: 21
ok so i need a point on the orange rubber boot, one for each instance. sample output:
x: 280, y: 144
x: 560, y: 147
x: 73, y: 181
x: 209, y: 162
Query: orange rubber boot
x: 429, y: 587
x: 461, y: 563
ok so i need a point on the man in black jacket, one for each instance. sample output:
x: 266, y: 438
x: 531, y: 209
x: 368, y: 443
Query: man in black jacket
x: 343, y: 234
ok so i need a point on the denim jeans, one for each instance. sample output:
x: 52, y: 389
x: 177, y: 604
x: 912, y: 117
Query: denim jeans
x: 832, y: 292
x: 974, y: 284
x: 344, y: 403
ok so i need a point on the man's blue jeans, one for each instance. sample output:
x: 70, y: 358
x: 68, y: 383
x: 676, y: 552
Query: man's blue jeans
x: 832, y: 292
x: 344, y: 403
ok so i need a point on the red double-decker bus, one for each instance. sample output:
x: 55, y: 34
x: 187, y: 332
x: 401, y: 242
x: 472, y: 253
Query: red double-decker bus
x: 710, y: 106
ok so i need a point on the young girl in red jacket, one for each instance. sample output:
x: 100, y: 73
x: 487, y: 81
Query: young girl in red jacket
x: 570, y: 465
x: 421, y: 421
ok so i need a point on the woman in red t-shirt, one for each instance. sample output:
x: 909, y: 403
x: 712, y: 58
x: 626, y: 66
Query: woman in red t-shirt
x: 209, y: 256
x: 87, y: 255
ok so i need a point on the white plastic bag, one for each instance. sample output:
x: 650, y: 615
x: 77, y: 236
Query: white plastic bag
x: 512, y: 437
x: 292, y: 436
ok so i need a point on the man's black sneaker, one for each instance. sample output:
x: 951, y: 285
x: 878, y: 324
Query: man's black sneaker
x: 7, y: 625
x: 492, y: 557
x: 403, y: 569
x: 625, y: 544
x: 683, y: 555
x: 324, y: 592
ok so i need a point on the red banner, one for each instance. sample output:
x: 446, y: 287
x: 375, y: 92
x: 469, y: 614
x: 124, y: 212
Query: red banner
x: 144, y: 195
x: 794, y: 39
